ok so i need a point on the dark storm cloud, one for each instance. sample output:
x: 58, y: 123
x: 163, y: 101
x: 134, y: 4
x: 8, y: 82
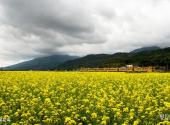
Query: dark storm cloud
x: 33, y: 28
x: 46, y: 14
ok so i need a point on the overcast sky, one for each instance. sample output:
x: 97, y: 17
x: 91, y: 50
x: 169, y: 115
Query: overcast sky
x: 33, y: 28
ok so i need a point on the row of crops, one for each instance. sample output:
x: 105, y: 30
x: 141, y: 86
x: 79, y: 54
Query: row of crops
x: 71, y: 98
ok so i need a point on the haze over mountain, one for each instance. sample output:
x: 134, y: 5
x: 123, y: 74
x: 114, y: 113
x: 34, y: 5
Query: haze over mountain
x: 145, y: 49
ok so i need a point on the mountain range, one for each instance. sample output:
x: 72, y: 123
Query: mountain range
x: 146, y: 56
x: 156, y: 57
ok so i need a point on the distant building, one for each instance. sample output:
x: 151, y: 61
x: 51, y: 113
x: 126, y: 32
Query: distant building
x: 129, y: 66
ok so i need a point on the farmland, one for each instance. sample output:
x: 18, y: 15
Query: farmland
x: 84, y: 98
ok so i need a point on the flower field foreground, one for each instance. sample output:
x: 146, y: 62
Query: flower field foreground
x: 71, y: 98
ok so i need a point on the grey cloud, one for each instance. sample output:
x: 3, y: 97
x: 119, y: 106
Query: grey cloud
x: 33, y: 16
x: 53, y: 23
x: 47, y: 15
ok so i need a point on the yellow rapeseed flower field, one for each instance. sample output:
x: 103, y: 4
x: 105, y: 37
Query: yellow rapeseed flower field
x: 84, y: 98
